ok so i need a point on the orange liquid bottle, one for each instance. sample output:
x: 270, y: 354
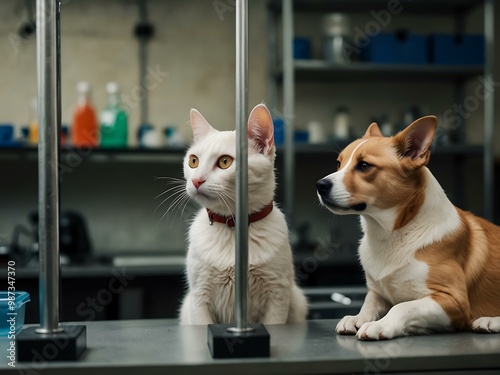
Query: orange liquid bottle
x: 84, y: 132
x: 33, y: 124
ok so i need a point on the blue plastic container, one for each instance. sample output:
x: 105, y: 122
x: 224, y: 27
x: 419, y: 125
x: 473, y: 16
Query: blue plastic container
x: 12, y: 309
x: 301, y: 136
x: 6, y: 133
x: 450, y: 49
x: 397, y: 48
x: 279, y: 131
x: 302, y: 48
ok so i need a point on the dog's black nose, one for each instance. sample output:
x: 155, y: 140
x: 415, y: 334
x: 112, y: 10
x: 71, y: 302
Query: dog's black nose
x: 324, y: 186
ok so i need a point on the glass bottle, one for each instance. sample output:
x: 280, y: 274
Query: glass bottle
x: 114, y: 120
x: 84, y: 132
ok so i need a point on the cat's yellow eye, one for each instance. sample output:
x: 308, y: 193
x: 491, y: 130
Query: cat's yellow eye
x: 193, y: 161
x: 224, y: 162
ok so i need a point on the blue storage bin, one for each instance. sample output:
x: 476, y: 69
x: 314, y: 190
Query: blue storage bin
x: 451, y: 49
x: 301, y: 48
x: 279, y: 131
x: 6, y: 133
x: 301, y: 136
x: 397, y: 48
x: 10, y: 303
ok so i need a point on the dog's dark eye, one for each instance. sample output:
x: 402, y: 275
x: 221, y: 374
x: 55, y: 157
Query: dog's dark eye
x: 363, y: 166
x: 338, y: 165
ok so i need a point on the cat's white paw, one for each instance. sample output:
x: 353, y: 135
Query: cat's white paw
x: 378, y: 330
x: 350, y: 324
x: 487, y: 325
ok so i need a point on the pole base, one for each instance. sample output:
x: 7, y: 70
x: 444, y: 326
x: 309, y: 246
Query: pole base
x: 40, y: 347
x: 226, y: 344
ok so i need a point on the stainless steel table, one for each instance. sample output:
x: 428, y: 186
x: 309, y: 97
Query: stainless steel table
x: 149, y: 347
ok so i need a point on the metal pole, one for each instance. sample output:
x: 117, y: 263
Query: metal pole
x: 288, y: 110
x: 143, y: 63
x: 273, y: 59
x: 241, y: 261
x: 49, y: 109
x: 489, y: 109
x: 142, y: 74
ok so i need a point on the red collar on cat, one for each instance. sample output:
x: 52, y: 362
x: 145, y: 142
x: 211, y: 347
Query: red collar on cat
x: 229, y: 221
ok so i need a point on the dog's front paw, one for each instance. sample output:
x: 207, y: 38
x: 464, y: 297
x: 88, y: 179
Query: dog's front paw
x: 349, y: 324
x: 378, y: 330
x: 487, y: 325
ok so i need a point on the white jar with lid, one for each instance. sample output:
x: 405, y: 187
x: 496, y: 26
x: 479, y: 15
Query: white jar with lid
x: 337, y: 37
x: 316, y: 132
x: 342, y: 124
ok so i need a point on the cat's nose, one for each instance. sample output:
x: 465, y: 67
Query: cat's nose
x: 197, y: 182
x: 324, y: 185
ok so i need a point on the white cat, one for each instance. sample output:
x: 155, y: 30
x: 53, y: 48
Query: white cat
x: 210, y: 173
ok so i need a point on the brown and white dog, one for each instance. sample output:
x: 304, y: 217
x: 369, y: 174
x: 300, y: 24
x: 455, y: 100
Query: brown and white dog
x: 429, y: 265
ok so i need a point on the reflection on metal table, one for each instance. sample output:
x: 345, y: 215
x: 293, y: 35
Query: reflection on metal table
x: 163, y: 347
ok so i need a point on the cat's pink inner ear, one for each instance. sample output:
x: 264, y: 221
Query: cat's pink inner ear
x: 200, y: 126
x: 260, y: 128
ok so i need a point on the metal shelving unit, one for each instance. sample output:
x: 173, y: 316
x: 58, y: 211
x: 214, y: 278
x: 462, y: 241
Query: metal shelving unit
x: 416, y: 7
x: 291, y: 71
x: 320, y: 71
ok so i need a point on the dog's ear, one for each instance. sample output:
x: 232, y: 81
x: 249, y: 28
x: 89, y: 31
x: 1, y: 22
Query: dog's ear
x: 373, y: 131
x: 413, y: 143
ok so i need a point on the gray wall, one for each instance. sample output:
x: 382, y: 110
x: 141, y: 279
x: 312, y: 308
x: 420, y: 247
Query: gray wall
x: 195, y: 46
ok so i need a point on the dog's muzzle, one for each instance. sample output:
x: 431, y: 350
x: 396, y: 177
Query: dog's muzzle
x: 324, y: 187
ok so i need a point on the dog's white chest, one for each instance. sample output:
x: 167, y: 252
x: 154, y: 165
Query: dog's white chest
x: 403, y: 285
x: 393, y: 272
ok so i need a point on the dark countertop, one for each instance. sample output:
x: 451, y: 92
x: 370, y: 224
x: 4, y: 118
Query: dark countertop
x: 162, y: 347
x: 133, y: 264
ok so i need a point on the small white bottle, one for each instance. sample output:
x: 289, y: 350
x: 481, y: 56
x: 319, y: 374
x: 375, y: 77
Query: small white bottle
x: 316, y: 132
x: 342, y: 124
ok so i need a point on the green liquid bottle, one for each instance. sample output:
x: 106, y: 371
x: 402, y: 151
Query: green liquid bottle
x: 114, y: 120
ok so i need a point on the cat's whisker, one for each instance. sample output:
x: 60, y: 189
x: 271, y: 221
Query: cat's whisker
x: 185, y: 199
x: 169, y: 178
x: 224, y: 191
x: 228, y: 195
x: 185, y: 205
x: 231, y: 200
x: 175, y: 206
x: 169, y: 189
x: 180, y: 183
x: 175, y: 193
x: 221, y: 198
x: 231, y: 211
x: 176, y: 201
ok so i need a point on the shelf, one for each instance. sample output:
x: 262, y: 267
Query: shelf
x: 458, y: 149
x: 334, y: 148
x: 321, y: 71
x: 443, y: 7
x: 149, y: 265
x: 176, y: 154
x: 172, y: 153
